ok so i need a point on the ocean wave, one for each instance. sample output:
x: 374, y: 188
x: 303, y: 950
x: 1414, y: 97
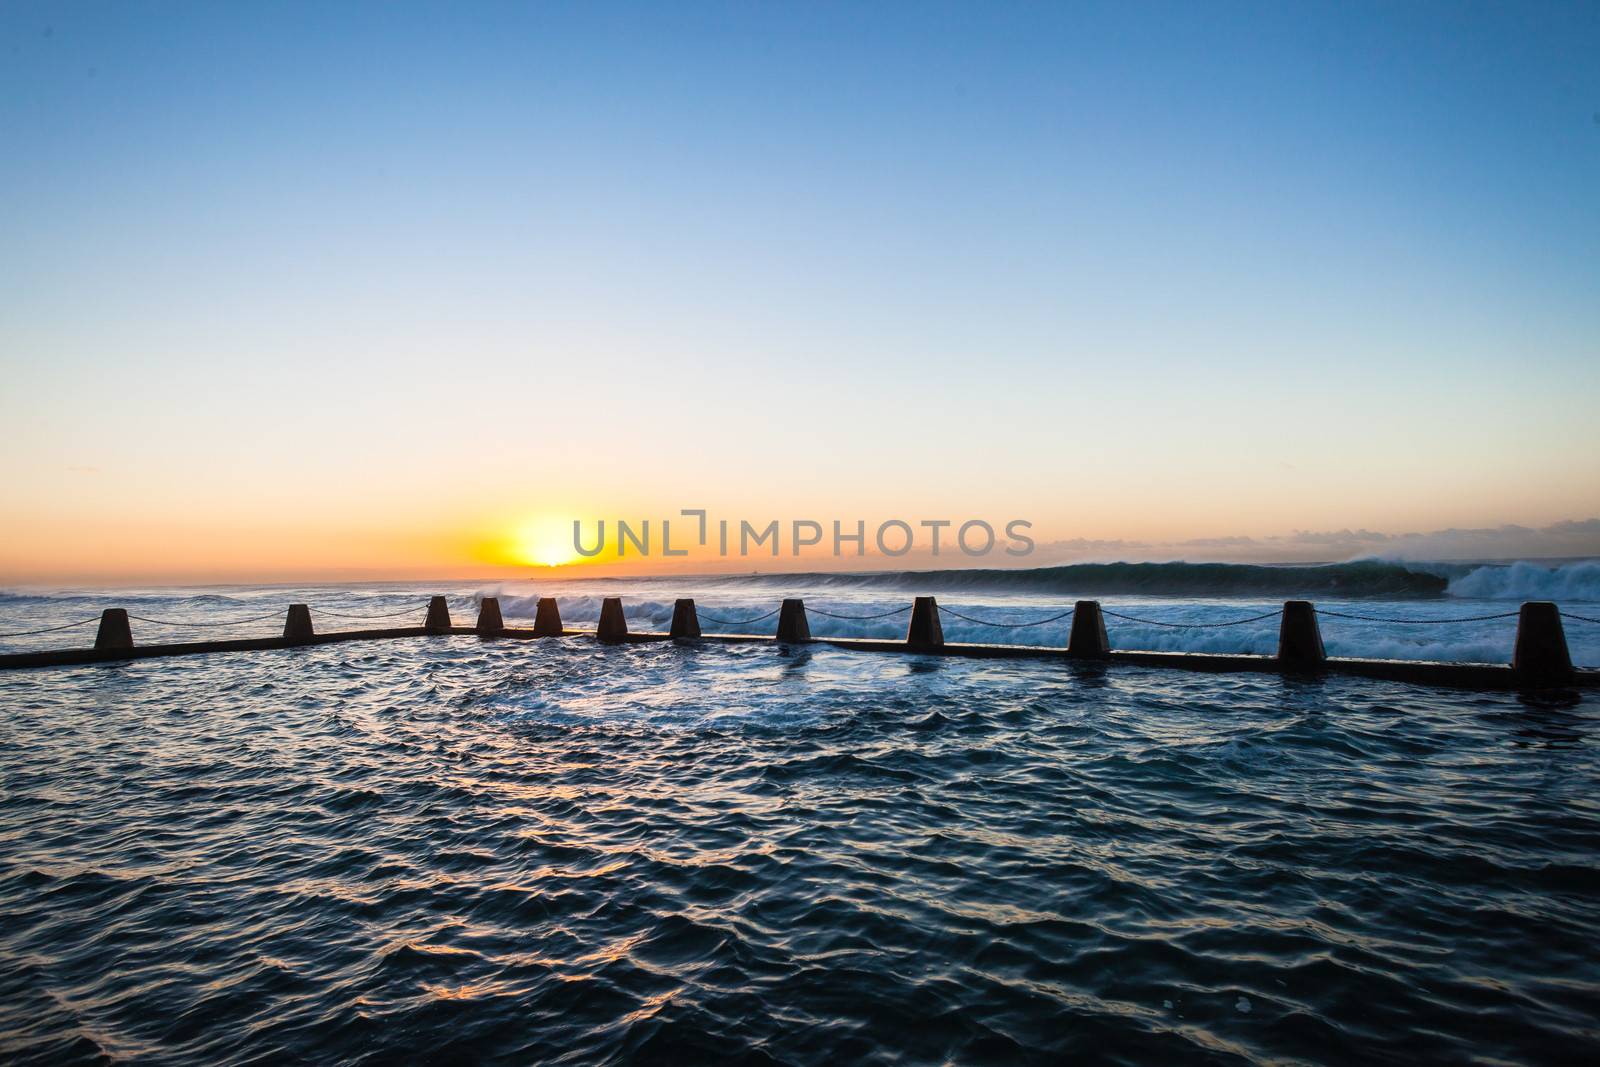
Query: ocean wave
x: 1360, y: 578
x: 1519, y: 581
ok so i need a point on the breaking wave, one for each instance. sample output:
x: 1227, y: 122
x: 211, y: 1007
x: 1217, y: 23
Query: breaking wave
x: 1531, y: 581
x: 1362, y: 578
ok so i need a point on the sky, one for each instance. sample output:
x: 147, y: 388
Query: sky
x: 312, y: 291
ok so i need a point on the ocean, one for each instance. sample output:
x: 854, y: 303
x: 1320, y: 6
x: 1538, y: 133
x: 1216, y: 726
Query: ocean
x: 463, y: 851
x: 1407, y: 611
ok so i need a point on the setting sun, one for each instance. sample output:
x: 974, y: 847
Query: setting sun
x: 544, y: 543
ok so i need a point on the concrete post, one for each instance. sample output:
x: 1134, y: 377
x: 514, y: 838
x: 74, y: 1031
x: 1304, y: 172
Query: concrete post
x: 1299, y: 638
x: 925, y: 630
x: 490, y: 624
x: 792, y: 625
x: 613, y: 626
x: 297, y: 624
x: 1088, y: 639
x: 1541, y: 656
x: 685, y: 620
x: 547, y: 618
x: 438, y: 621
x: 114, y: 631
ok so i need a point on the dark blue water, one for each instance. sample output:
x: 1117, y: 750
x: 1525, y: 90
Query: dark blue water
x: 549, y: 851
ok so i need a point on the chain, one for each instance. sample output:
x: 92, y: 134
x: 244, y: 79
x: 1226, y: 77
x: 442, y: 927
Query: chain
x: 858, y: 618
x: 1004, y: 625
x: 737, y: 622
x: 1191, y: 625
x: 386, y: 615
x: 1417, y: 622
x: 226, y: 622
x: 52, y: 629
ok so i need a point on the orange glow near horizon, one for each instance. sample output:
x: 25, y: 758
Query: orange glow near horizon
x: 537, y: 542
x: 544, y: 542
x: 459, y: 536
x: 540, y: 548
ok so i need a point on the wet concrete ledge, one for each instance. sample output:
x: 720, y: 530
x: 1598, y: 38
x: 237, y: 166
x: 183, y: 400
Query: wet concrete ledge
x: 68, y: 657
x: 1454, y: 675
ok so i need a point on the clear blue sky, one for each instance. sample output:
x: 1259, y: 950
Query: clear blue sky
x: 1140, y: 270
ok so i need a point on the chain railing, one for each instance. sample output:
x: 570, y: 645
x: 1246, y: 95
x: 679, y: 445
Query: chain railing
x: 738, y: 622
x: 1005, y: 625
x: 52, y: 629
x: 1189, y: 625
x: 386, y: 615
x: 1324, y: 613
x: 202, y: 624
x: 207, y: 624
x: 858, y: 618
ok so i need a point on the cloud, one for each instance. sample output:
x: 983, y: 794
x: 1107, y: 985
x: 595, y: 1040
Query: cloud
x: 1308, y: 537
x: 1571, y: 537
x: 1089, y: 546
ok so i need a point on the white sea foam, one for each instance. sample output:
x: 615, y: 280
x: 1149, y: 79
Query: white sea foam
x: 1565, y: 583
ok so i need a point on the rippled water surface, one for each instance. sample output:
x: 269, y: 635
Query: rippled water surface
x: 553, y: 851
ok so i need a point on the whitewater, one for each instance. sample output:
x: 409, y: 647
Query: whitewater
x: 1408, y: 610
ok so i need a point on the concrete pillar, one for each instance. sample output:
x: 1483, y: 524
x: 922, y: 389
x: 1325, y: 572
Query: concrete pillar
x: 438, y: 621
x: 490, y: 623
x: 925, y: 630
x: 547, y: 618
x: 613, y: 626
x: 1299, y: 638
x: 1541, y: 656
x: 297, y: 625
x: 114, y: 631
x: 792, y: 625
x: 685, y: 620
x: 1088, y: 640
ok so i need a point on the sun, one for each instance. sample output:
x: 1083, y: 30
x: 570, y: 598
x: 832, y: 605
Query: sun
x: 544, y: 543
